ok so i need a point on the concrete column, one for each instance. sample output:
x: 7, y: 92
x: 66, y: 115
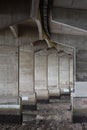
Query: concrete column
x: 53, y: 79
x: 41, y: 76
x: 26, y: 76
x: 64, y: 74
x: 8, y: 71
x: 10, y: 104
x: 71, y: 75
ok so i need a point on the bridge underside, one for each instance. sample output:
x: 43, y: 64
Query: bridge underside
x: 43, y: 50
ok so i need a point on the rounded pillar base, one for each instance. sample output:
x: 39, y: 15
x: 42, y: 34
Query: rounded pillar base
x: 42, y: 96
x: 54, y: 93
x: 29, y: 102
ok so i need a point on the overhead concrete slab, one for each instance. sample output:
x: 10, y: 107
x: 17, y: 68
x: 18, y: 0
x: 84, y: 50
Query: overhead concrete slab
x: 14, y: 12
x: 73, y: 17
x: 76, y: 4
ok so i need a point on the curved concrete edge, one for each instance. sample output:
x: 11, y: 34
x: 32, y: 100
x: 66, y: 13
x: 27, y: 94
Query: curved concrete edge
x: 42, y: 96
x: 54, y: 93
x: 41, y: 45
x: 65, y: 91
x: 11, y: 113
x: 39, y: 29
x: 29, y: 102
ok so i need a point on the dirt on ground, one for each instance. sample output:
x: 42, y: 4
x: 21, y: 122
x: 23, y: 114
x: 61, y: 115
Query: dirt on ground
x: 53, y: 116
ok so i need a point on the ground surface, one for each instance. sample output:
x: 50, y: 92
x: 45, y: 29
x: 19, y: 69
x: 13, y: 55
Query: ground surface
x: 53, y: 116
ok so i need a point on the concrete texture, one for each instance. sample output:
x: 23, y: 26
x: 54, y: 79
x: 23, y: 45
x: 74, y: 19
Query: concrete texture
x: 53, y: 73
x: 64, y: 72
x: 26, y: 75
x: 8, y: 71
x: 41, y: 82
x: 13, y: 12
x: 73, y: 13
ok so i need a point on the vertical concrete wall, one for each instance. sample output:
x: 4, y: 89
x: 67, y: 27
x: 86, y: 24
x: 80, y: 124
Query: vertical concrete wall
x: 41, y: 75
x: 41, y: 70
x: 26, y: 74
x: 71, y: 74
x: 8, y: 64
x: 52, y: 69
x: 64, y: 72
x: 8, y: 71
x: 53, y: 79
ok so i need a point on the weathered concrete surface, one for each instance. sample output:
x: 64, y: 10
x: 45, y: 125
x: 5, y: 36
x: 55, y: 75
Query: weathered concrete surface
x: 71, y: 74
x: 13, y: 12
x: 79, y: 42
x: 26, y: 69
x: 73, y: 17
x: 26, y: 75
x: 28, y: 32
x: 53, y: 73
x: 41, y: 75
x: 73, y: 13
x: 8, y: 71
x: 76, y: 4
x: 64, y: 73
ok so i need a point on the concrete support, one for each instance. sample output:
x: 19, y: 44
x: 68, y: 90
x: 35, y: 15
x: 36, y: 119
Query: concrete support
x: 26, y: 77
x: 41, y: 76
x: 64, y: 74
x: 73, y: 33
x: 8, y: 71
x: 10, y: 110
x: 10, y: 104
x: 71, y: 74
x: 53, y: 79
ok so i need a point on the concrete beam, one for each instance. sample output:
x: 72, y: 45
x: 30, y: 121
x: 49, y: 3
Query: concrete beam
x: 78, y: 4
x: 61, y: 28
x: 14, y: 30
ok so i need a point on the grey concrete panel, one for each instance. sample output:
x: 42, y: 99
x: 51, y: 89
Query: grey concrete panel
x: 13, y: 12
x: 71, y: 74
x: 53, y: 84
x: 64, y: 72
x: 80, y: 43
x: 26, y: 75
x: 73, y: 17
x: 52, y: 69
x: 78, y: 4
x: 41, y: 85
x: 28, y: 33
x: 41, y: 70
x: 8, y: 71
x: 7, y: 38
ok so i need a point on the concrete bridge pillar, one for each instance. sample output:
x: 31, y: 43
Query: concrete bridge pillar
x: 41, y: 76
x: 26, y: 77
x: 53, y: 76
x: 64, y: 74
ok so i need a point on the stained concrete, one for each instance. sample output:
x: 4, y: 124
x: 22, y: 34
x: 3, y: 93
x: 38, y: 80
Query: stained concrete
x: 53, y: 73
x: 41, y: 81
x: 8, y: 71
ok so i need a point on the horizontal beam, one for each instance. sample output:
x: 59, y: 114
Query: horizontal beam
x: 78, y: 4
x: 14, y: 30
x: 61, y: 28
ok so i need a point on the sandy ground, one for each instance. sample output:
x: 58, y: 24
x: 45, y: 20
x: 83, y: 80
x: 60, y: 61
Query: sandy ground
x: 53, y: 116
